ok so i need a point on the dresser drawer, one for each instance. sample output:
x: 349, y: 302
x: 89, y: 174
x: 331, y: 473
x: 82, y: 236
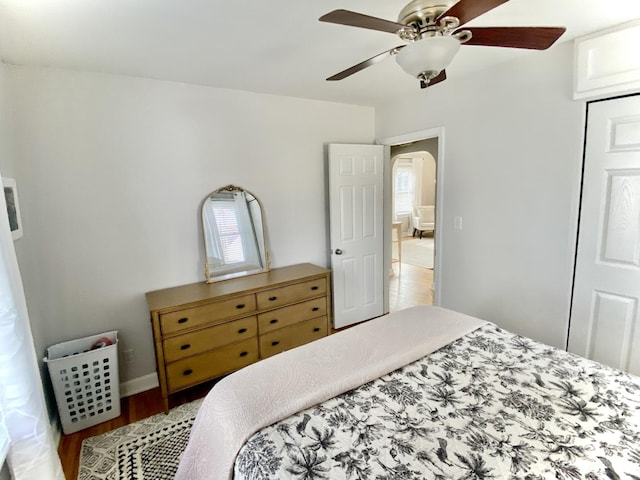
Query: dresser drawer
x: 200, y: 341
x: 216, y: 312
x: 293, y: 336
x: 291, y: 293
x: 285, y: 316
x: 212, y: 364
x: 203, y: 331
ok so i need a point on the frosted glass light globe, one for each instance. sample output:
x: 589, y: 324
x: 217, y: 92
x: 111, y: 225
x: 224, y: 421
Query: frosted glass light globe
x: 428, y: 55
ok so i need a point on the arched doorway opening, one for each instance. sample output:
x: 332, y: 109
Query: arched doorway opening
x: 413, y: 206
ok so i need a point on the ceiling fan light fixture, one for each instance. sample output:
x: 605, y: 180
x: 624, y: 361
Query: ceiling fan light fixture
x: 427, y: 57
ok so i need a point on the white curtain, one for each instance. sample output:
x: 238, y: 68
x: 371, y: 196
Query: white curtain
x: 418, y: 169
x: 32, y: 451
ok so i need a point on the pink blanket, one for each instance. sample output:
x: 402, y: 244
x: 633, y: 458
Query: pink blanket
x: 277, y: 387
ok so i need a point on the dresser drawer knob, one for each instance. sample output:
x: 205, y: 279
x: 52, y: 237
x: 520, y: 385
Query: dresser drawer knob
x: 240, y: 306
x: 186, y: 346
x: 275, y: 320
x: 315, y: 309
x: 272, y: 299
x: 244, y: 354
x: 273, y: 344
x: 317, y: 329
x: 183, y: 320
x: 188, y: 371
x: 315, y: 287
x: 242, y: 330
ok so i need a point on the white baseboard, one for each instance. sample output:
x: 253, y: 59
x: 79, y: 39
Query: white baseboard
x: 140, y: 384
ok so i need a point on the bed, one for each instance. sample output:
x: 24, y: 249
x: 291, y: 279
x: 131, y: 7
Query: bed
x: 425, y: 393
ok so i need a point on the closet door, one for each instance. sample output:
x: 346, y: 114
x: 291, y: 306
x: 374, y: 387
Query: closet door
x: 605, y: 312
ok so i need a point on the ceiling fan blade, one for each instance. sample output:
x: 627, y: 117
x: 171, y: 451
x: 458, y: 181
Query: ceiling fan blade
x: 467, y: 10
x: 367, y: 63
x: 354, y: 19
x: 437, y: 79
x: 534, y: 38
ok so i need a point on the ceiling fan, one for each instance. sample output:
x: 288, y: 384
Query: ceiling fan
x: 432, y: 28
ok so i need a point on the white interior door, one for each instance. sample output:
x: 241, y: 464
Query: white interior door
x: 605, y: 313
x: 356, y: 224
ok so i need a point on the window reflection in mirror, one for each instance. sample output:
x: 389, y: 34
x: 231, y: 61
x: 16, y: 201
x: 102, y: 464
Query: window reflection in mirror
x: 233, y: 229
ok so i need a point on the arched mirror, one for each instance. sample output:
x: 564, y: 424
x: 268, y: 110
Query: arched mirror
x: 234, y: 239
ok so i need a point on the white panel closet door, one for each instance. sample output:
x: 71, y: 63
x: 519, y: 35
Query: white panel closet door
x: 605, y: 314
x: 356, y: 224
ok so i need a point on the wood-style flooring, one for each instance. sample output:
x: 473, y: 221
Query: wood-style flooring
x: 408, y: 286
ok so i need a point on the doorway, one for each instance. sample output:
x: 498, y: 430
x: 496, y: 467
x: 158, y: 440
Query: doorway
x: 413, y: 205
x: 413, y: 186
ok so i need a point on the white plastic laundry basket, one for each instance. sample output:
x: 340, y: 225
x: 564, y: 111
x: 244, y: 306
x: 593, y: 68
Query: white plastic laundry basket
x: 84, y: 374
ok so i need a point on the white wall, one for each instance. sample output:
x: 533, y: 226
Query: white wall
x: 10, y: 167
x: 111, y: 172
x: 513, y: 155
x: 7, y: 160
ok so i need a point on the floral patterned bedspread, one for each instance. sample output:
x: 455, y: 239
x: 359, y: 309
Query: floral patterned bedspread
x: 491, y: 405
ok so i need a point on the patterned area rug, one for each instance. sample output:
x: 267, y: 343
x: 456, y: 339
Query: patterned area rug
x: 146, y: 450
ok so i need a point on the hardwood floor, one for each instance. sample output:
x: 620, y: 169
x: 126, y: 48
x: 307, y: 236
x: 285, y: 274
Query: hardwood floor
x: 409, y: 286
x: 133, y: 408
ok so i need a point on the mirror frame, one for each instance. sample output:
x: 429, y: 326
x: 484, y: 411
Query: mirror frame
x: 210, y: 272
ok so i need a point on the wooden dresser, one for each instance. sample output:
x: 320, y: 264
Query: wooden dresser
x: 205, y: 330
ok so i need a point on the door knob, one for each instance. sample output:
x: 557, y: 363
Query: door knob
x: 337, y: 251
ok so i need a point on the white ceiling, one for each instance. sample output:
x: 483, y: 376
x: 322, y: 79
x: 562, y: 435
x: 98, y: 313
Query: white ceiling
x: 269, y: 46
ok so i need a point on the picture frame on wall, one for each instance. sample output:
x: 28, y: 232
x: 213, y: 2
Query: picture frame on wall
x: 13, y: 207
